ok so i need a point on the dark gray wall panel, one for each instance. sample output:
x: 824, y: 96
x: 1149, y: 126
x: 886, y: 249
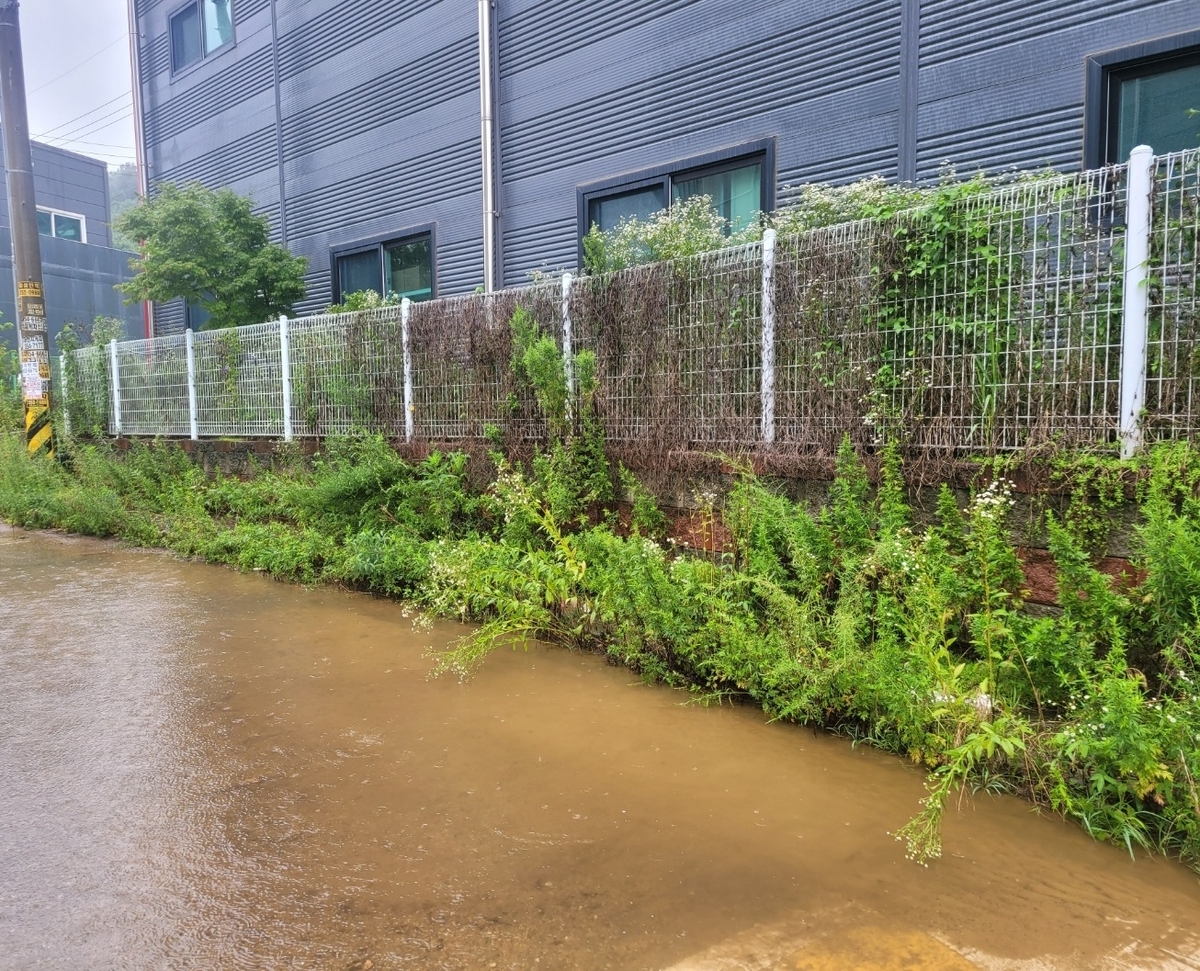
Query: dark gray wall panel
x: 387, y: 97
x: 250, y: 153
x: 379, y: 104
x: 217, y: 93
x: 78, y: 280
x: 317, y: 32
x: 1001, y: 84
x: 687, y: 81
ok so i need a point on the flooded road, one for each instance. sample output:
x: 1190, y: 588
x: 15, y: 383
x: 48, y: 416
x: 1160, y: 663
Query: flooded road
x: 201, y: 769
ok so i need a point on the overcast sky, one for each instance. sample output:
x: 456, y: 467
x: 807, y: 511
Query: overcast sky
x: 77, y: 76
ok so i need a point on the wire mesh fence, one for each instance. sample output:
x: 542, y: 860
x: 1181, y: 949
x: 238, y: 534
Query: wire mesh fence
x: 1173, y: 358
x: 991, y: 321
x: 153, y: 379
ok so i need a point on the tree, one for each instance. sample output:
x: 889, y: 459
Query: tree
x: 210, y: 248
x: 122, y: 196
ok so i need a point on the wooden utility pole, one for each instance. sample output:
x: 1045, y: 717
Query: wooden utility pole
x: 27, y: 250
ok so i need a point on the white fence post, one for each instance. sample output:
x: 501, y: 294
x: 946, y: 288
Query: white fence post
x: 1135, y: 315
x: 62, y: 393
x: 567, y: 350
x: 405, y: 311
x: 285, y: 366
x: 768, y: 336
x: 193, y: 423
x: 116, y: 386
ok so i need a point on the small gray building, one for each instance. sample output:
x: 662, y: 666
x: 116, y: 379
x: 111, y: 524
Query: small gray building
x: 375, y: 133
x: 79, y: 265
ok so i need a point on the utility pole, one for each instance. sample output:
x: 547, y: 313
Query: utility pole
x: 27, y: 250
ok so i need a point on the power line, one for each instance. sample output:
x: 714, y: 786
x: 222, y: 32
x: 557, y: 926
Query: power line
x: 79, y: 65
x: 95, y: 125
x: 90, y: 111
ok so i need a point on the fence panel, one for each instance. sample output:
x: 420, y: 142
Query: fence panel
x: 153, y: 383
x: 239, y: 389
x: 990, y: 324
x: 462, y: 351
x: 678, y: 350
x: 348, y: 373
x: 988, y: 321
x: 1173, y: 365
x: 89, y: 391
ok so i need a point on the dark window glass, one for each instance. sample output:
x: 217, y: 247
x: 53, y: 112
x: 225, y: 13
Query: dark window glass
x: 359, y: 271
x: 186, y: 45
x: 1152, y: 109
x: 609, y: 212
x: 218, y: 26
x: 408, y: 268
x: 68, y: 227
x: 195, y: 315
x: 45, y: 224
x: 736, y: 194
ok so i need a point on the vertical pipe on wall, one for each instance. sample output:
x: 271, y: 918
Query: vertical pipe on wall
x: 487, y: 143
x: 405, y: 312
x: 768, y: 336
x: 1135, y: 311
x: 139, y: 141
x: 283, y: 226
x: 193, y: 424
x: 909, y: 93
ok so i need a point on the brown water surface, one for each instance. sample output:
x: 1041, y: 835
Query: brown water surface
x: 201, y: 769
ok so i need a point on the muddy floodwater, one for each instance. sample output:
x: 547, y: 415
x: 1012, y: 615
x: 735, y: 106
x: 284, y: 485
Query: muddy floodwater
x: 201, y: 769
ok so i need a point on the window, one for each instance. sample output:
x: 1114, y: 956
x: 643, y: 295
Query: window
x: 391, y: 267
x: 64, y: 225
x: 739, y: 181
x: 198, y: 29
x: 1141, y: 95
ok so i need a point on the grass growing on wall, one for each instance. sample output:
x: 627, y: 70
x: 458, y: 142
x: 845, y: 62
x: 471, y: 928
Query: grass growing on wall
x: 851, y: 617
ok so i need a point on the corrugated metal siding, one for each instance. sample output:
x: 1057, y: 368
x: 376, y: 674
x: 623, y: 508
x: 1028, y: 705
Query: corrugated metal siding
x: 384, y: 99
x: 328, y: 33
x: 1001, y: 84
x: 380, y: 108
x: 952, y: 29
x: 1038, y: 139
x: 248, y: 155
x: 155, y: 57
x: 550, y: 29
x: 189, y: 109
x: 423, y: 180
x: 243, y: 10
x: 168, y: 318
x: 802, y: 63
x: 637, y: 96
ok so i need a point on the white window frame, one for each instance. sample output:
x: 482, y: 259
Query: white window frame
x: 70, y: 215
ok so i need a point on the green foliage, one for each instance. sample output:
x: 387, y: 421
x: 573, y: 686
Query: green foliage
x: 689, y: 227
x: 361, y: 300
x: 209, y: 247
x: 853, y: 617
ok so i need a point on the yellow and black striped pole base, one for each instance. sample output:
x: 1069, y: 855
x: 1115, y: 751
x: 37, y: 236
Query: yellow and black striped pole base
x: 39, y: 439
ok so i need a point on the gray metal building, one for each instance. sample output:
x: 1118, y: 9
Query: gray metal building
x: 79, y: 265
x: 361, y: 127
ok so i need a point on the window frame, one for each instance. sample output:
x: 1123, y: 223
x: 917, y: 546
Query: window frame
x: 710, y: 163
x: 177, y: 70
x: 1103, y: 74
x: 377, y: 242
x: 52, y: 213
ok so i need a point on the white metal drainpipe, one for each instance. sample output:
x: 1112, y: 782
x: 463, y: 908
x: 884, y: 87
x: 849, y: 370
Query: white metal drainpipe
x: 139, y: 149
x: 487, y: 140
